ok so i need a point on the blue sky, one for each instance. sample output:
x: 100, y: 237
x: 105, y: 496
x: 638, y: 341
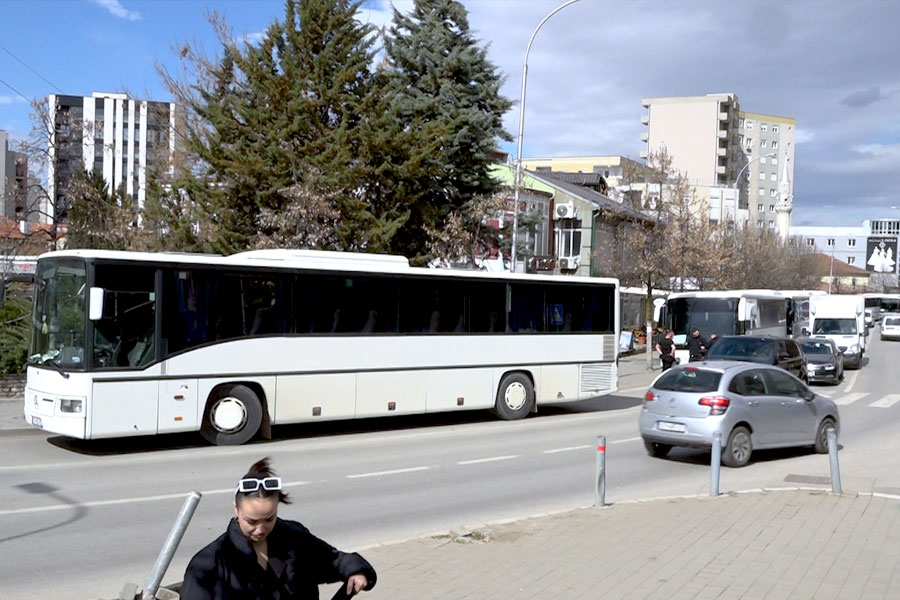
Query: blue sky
x: 830, y: 64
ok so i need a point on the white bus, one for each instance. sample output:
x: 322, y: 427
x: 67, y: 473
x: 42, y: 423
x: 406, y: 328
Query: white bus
x: 732, y: 312
x: 138, y: 344
x: 877, y: 304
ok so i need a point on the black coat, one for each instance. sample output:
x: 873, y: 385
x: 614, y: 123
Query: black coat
x: 227, y: 568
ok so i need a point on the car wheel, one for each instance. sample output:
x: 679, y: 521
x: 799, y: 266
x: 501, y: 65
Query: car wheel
x: 232, y: 417
x: 515, y: 397
x: 656, y: 450
x: 822, y: 435
x: 738, y: 448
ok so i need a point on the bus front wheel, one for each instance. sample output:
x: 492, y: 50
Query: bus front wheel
x: 515, y: 397
x: 233, y: 415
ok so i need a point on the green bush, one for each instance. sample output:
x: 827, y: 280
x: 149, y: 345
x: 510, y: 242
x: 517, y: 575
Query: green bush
x: 14, y: 334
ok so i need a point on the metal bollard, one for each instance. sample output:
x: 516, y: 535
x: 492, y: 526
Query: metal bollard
x: 833, y: 458
x: 171, y: 544
x: 715, y: 464
x: 600, y: 491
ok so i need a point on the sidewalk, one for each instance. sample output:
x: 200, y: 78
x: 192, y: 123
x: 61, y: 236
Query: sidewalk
x: 12, y: 413
x: 763, y: 544
x: 634, y: 373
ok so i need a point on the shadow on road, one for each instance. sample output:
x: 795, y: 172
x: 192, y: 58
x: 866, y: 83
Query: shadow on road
x: 46, y: 489
x: 178, y: 441
x: 699, y: 456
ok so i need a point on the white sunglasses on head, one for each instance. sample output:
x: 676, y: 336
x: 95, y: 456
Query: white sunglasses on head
x: 270, y: 484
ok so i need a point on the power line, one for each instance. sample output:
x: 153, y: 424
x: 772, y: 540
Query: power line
x: 27, y: 99
x: 5, y: 49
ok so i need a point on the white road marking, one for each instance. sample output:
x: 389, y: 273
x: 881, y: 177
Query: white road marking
x: 886, y: 402
x: 850, y: 398
x: 631, y: 439
x: 485, y: 460
x: 852, y: 377
x: 570, y: 448
x: 181, y: 495
x: 392, y: 472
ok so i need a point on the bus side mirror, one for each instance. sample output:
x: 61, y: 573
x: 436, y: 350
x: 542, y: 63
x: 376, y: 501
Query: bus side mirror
x: 95, y: 304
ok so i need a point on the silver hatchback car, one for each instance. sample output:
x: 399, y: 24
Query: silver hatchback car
x: 753, y: 406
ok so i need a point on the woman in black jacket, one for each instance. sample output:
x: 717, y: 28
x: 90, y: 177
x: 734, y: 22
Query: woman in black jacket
x: 262, y: 556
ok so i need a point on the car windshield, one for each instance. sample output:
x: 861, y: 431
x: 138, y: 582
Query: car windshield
x: 817, y: 349
x: 835, y: 327
x: 689, y: 379
x: 744, y: 348
x: 894, y: 321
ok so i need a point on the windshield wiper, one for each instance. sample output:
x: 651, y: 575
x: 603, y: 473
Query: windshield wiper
x: 57, y: 367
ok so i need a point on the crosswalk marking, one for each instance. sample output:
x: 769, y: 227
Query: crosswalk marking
x: 886, y: 401
x: 849, y: 398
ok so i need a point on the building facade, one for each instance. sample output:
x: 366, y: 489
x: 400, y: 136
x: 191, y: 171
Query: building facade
x: 716, y: 145
x: 13, y: 182
x: 123, y: 138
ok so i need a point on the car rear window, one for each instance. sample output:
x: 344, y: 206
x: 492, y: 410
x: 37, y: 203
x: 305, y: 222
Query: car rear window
x: 744, y: 348
x: 892, y: 321
x: 689, y: 379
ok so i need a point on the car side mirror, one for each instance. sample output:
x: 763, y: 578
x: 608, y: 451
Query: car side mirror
x: 804, y: 332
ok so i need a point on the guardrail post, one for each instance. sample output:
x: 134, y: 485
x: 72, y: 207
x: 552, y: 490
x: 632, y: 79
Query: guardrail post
x: 715, y: 464
x: 833, y: 459
x: 171, y: 544
x: 600, y: 490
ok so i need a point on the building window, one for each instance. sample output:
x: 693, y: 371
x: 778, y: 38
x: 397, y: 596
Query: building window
x: 741, y: 123
x: 759, y: 207
x: 771, y: 208
x: 762, y: 143
x: 773, y: 192
x: 774, y: 160
x: 851, y: 260
x: 762, y: 176
x: 749, y: 142
x: 773, y: 177
x: 761, y: 191
x: 830, y: 242
x: 810, y: 242
x: 763, y: 127
x: 748, y: 125
x: 606, y: 173
x: 774, y: 144
x: 771, y: 224
x: 774, y: 128
x: 851, y: 243
x: 762, y: 160
x: 741, y: 138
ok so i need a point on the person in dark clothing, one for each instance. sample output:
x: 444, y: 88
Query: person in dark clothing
x: 666, y: 348
x: 713, y: 338
x: 696, y: 346
x: 263, y: 556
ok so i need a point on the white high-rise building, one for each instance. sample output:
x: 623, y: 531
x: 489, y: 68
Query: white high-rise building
x: 716, y: 144
x: 123, y: 138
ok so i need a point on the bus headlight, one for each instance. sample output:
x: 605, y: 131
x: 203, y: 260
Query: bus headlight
x: 68, y: 405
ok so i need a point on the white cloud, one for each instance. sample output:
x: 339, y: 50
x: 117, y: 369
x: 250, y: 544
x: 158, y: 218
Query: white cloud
x: 10, y: 99
x: 252, y: 38
x: 115, y: 8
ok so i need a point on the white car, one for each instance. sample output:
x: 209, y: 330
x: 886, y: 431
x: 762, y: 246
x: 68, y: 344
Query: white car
x: 890, y: 327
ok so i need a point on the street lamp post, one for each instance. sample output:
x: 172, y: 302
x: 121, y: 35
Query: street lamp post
x: 737, y: 181
x: 518, y: 179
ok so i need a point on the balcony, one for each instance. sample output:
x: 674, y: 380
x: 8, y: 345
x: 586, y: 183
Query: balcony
x: 645, y: 102
x: 645, y: 136
x: 645, y: 119
x: 723, y: 116
x: 723, y: 134
x: 721, y: 169
x: 722, y: 152
x: 644, y: 154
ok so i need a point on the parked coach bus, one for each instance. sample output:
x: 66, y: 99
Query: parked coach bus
x: 137, y: 344
x: 732, y: 312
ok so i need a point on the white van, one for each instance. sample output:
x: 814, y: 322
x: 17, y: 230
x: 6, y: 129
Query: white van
x: 842, y: 320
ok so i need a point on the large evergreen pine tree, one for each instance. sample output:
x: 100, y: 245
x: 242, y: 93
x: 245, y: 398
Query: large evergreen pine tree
x: 446, y: 112
x: 271, y: 114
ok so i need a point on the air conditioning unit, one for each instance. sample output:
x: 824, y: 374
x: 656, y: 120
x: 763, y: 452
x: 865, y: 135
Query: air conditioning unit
x: 565, y: 210
x: 568, y: 263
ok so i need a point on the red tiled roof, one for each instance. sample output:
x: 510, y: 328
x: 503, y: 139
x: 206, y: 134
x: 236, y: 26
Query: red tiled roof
x: 822, y: 267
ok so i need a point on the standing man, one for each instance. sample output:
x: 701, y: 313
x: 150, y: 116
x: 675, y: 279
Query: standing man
x: 696, y: 345
x: 713, y: 338
x: 666, y: 349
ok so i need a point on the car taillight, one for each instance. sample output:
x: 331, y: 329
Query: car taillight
x: 650, y: 397
x: 717, y: 404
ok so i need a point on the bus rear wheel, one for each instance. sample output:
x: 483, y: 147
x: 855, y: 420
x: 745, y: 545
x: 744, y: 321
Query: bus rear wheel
x: 232, y: 417
x: 515, y: 397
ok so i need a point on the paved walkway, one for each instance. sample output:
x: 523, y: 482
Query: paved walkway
x: 758, y: 545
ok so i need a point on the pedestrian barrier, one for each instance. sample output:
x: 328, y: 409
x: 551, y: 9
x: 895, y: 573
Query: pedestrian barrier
x: 833, y: 459
x: 600, y: 472
x: 716, y: 464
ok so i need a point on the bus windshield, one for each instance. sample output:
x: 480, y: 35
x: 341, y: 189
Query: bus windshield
x: 57, y: 336
x: 706, y: 314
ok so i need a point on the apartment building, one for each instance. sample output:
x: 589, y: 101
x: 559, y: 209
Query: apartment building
x: 717, y: 145
x: 121, y: 137
x: 872, y: 246
x: 13, y: 181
